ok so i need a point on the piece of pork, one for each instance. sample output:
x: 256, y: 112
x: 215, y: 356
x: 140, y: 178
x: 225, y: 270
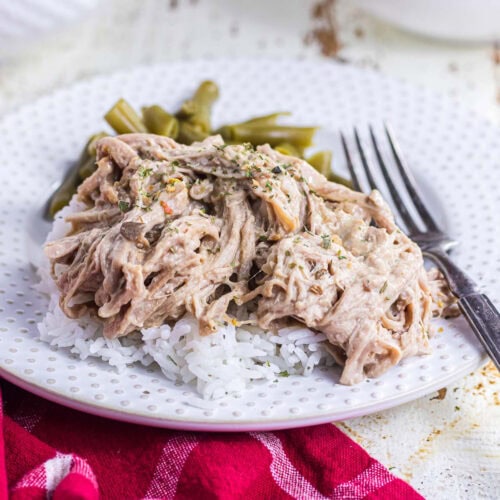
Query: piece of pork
x: 210, y: 227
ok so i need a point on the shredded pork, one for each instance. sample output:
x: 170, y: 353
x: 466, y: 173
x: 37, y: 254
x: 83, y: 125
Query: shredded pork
x: 233, y: 233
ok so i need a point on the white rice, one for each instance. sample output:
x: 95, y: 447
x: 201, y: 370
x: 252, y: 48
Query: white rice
x: 220, y: 364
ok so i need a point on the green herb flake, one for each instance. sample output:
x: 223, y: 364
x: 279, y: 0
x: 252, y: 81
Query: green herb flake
x: 262, y: 237
x: 326, y: 241
x: 144, y: 172
x: 269, y: 186
x: 457, y: 408
x: 383, y: 287
x: 340, y: 256
x: 284, y: 374
x: 214, y: 251
x: 288, y: 253
x: 124, y: 206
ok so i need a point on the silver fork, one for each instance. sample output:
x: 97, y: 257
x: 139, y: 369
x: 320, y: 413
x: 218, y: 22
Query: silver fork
x: 481, y: 314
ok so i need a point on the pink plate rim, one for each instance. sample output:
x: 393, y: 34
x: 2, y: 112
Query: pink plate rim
x: 236, y: 426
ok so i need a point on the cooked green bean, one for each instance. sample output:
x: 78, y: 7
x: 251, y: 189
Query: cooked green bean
x: 225, y: 130
x: 265, y: 119
x: 322, y: 162
x: 86, y: 166
x: 65, y: 192
x: 90, y: 147
x: 159, y: 122
x: 123, y: 118
x: 288, y: 149
x: 300, y: 137
x: 196, y: 111
x: 189, y: 134
x: 333, y: 177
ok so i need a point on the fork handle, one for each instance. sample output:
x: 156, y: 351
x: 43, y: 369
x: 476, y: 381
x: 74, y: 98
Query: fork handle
x: 477, y: 308
x: 485, y: 321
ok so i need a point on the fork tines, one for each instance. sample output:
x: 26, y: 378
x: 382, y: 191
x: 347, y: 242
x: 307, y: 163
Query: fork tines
x: 406, y: 176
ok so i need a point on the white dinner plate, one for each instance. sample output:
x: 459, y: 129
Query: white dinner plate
x: 453, y: 152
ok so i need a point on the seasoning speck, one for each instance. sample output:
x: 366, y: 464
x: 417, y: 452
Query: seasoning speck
x: 166, y: 208
x: 123, y: 206
x: 326, y: 242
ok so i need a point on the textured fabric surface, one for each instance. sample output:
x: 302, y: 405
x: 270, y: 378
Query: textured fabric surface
x: 48, y: 450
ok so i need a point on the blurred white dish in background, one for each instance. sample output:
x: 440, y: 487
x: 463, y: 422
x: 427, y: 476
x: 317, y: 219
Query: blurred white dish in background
x: 465, y: 20
x: 25, y: 21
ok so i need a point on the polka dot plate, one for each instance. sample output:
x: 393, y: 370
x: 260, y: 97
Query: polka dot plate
x: 453, y: 153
